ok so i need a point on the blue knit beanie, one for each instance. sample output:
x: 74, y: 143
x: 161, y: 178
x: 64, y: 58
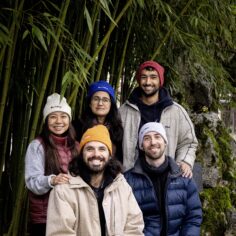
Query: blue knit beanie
x: 101, y: 86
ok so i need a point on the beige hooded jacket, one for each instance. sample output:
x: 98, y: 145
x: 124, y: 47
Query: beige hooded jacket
x: 182, y: 141
x: 73, y: 210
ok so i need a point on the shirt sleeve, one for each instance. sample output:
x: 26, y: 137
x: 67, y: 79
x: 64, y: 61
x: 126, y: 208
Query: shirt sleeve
x: 35, y: 179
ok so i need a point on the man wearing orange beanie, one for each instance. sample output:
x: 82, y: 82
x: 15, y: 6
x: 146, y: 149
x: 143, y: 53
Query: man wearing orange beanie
x: 151, y: 102
x: 97, y: 200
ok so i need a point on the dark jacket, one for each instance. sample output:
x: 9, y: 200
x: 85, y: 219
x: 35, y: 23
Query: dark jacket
x: 183, y: 206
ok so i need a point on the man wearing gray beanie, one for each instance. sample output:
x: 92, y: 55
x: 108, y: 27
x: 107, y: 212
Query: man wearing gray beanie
x: 170, y: 202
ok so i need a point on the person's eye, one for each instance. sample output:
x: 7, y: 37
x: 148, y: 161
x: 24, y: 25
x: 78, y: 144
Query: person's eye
x: 146, y: 138
x: 52, y: 117
x: 96, y: 99
x: 102, y: 149
x: 143, y: 77
x: 154, y: 77
x: 105, y: 100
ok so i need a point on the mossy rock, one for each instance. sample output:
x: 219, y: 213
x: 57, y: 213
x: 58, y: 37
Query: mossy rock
x: 216, y: 202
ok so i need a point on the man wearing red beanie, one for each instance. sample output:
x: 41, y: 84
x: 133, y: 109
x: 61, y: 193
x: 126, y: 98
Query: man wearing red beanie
x: 151, y: 102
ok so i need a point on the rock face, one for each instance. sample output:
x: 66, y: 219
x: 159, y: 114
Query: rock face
x: 231, y: 217
x: 216, y: 153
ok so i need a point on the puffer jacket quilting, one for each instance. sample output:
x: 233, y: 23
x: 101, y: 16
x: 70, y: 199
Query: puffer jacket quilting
x: 183, y: 206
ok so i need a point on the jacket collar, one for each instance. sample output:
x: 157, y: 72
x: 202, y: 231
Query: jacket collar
x: 174, y: 168
x: 164, y: 98
x: 78, y: 182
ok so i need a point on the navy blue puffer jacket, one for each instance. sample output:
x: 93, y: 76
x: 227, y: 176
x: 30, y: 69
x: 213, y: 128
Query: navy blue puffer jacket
x: 183, y: 206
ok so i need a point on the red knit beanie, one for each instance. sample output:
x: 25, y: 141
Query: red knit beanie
x: 160, y: 70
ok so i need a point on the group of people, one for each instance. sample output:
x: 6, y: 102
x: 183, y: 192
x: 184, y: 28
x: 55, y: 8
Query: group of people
x: 125, y: 171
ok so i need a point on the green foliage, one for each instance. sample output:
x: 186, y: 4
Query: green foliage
x: 229, y: 165
x: 216, y: 202
x: 4, y: 36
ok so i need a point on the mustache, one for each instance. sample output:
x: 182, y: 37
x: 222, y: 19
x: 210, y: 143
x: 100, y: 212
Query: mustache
x: 147, y: 85
x: 96, y: 158
x: 155, y: 145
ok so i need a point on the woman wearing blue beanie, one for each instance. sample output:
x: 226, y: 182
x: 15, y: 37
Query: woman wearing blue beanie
x: 101, y: 108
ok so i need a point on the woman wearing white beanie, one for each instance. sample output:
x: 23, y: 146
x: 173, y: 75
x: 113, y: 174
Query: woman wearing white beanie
x: 47, y: 159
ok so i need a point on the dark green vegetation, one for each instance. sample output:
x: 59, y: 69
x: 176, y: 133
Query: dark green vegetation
x: 61, y: 46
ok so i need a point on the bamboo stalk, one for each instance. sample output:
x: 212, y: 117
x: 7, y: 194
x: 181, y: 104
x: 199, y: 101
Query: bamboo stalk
x: 105, y: 46
x: 6, y: 140
x: 86, y: 43
x: 19, y: 147
x: 48, y: 69
x: 122, y: 62
x: 167, y: 35
x: 9, y: 58
x: 106, y: 37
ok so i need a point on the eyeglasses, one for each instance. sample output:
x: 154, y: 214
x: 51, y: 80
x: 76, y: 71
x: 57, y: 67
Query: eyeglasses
x: 98, y: 99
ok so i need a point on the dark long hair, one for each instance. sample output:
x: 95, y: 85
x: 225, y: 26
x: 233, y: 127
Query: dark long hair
x: 52, y: 165
x: 113, y: 122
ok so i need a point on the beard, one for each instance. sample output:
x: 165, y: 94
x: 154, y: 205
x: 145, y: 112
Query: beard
x: 154, y: 156
x: 150, y: 94
x: 95, y: 169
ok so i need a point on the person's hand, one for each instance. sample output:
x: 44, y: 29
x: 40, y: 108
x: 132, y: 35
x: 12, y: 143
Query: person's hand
x: 60, y: 179
x: 186, y: 170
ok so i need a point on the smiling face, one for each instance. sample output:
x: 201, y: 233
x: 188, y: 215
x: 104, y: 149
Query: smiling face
x: 149, y: 82
x: 100, y: 104
x: 96, y: 156
x: 58, y: 122
x: 154, y: 147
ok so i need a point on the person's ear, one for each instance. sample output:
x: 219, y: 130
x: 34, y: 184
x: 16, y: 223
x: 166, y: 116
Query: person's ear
x: 141, y: 148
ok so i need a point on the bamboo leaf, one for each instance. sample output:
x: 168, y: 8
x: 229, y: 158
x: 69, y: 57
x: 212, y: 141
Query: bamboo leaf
x: 50, y: 32
x: 25, y: 34
x: 88, y: 20
x: 106, y: 9
x: 141, y: 3
x: 39, y: 35
x: 4, y: 35
x: 4, y: 29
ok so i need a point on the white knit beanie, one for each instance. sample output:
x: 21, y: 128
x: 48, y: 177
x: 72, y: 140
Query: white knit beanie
x: 151, y: 127
x: 56, y: 103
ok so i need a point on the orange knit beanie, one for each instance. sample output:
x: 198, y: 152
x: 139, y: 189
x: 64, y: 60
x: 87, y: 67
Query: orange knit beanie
x: 98, y: 133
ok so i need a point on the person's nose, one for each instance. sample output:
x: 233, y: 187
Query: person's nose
x: 148, y: 80
x: 59, y: 119
x: 153, y: 141
x: 96, y: 153
x: 100, y: 102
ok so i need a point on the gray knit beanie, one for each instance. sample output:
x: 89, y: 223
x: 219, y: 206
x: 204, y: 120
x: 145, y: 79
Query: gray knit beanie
x: 151, y: 127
